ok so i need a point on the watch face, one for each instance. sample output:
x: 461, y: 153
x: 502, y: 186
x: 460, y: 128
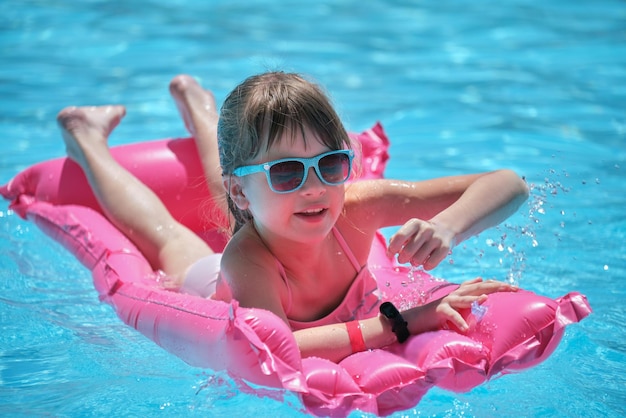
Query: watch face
x: 389, y: 310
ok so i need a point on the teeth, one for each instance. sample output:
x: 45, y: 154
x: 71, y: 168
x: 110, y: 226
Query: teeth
x: 311, y: 211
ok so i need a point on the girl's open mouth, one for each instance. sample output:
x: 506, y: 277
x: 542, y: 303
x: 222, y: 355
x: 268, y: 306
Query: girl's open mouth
x: 312, y: 213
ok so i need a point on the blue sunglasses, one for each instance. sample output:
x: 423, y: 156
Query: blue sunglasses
x: 289, y: 174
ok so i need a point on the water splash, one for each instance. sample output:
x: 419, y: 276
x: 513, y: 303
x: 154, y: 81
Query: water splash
x: 478, y: 310
x: 415, y: 276
x: 512, y: 241
x: 512, y: 244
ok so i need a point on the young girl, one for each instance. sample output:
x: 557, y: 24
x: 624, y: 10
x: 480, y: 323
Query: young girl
x: 301, y: 235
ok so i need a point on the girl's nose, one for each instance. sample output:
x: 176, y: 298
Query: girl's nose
x: 313, y: 184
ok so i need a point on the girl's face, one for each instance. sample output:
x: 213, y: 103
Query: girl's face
x: 304, y: 215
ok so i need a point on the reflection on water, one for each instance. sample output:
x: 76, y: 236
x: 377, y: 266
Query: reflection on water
x: 536, y: 87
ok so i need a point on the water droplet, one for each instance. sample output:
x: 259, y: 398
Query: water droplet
x: 478, y: 311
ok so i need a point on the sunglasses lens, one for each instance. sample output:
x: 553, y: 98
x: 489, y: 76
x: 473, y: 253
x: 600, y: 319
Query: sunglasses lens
x: 335, y: 168
x: 287, y: 175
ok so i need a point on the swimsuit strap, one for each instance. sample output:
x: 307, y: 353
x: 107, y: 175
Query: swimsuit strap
x: 283, y: 275
x: 281, y: 271
x: 346, y: 249
x: 344, y: 246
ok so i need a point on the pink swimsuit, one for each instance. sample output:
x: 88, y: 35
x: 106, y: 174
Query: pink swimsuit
x: 360, y: 301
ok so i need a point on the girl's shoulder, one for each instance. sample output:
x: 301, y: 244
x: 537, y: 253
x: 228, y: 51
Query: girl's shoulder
x: 251, y: 272
x: 363, y: 191
x: 373, y: 191
x: 244, y: 248
x: 366, y: 198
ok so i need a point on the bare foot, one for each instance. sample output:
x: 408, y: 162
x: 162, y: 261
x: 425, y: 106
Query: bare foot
x: 196, y: 105
x: 85, y: 130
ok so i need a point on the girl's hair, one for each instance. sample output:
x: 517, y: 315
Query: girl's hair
x: 257, y: 113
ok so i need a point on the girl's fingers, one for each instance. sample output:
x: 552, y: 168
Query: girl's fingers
x: 481, y: 299
x: 465, y: 301
x: 435, y: 258
x: 419, y: 255
x: 455, y: 318
x: 401, y: 237
x: 471, y: 291
x: 493, y: 286
x: 478, y: 286
x: 471, y: 281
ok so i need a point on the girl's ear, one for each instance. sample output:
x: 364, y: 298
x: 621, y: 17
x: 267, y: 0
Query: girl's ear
x: 233, y: 186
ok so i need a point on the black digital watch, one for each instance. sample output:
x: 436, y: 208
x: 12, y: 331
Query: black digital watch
x: 399, y: 325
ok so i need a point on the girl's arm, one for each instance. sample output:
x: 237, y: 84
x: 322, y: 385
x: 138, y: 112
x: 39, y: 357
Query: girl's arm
x: 333, y: 341
x: 486, y: 202
x: 436, y: 214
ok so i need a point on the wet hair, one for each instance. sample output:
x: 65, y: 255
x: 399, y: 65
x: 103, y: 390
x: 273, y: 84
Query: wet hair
x: 260, y: 110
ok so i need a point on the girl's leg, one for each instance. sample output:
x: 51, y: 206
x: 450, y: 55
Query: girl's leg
x: 198, y: 109
x: 129, y: 204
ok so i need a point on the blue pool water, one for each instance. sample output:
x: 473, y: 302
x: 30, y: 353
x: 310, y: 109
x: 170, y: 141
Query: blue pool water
x: 539, y: 87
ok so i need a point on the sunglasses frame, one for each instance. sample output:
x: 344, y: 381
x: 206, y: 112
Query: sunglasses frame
x: 306, y: 162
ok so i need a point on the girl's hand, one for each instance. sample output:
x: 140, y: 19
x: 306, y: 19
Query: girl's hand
x: 475, y: 290
x: 421, y: 243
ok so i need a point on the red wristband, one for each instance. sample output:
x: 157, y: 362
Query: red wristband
x: 357, y: 343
